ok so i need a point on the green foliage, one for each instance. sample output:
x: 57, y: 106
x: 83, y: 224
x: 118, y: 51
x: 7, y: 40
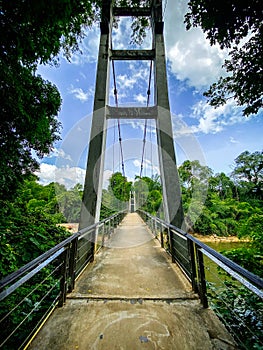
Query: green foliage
x: 33, y: 33
x: 117, y: 196
x: 222, y: 205
x: 249, y: 174
x: 36, y: 31
x: 227, y: 23
x: 148, y: 194
x: 232, y: 207
x: 27, y: 306
x: 29, y: 223
x: 253, y: 228
x: 241, y: 311
x: 249, y: 258
x: 222, y: 185
x: 70, y: 203
x: 120, y: 187
x: 194, y: 179
x: 25, y: 234
x: 28, y: 122
x: 108, y: 205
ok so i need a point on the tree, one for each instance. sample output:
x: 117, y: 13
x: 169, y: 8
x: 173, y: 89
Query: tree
x: 249, y: 174
x: 194, y: 178
x: 108, y: 206
x: 32, y: 33
x: 35, y: 32
x: 28, y: 123
x: 148, y: 193
x: 120, y: 186
x: 222, y: 185
x: 70, y: 203
x: 237, y: 25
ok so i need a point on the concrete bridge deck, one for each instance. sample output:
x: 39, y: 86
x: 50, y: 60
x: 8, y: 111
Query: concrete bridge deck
x: 132, y: 297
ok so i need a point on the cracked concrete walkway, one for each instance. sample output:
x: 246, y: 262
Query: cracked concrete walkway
x: 132, y: 297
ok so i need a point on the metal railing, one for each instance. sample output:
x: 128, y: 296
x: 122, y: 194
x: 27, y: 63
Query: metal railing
x: 29, y: 295
x: 234, y: 293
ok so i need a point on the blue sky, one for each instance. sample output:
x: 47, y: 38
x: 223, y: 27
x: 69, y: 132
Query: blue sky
x: 213, y: 136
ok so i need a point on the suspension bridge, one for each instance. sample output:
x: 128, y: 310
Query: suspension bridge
x: 131, y: 281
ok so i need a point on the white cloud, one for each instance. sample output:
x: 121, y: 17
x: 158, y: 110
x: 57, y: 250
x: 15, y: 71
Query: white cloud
x: 147, y: 164
x: 121, y: 37
x: 79, y: 94
x: 233, y: 140
x: 133, y: 84
x: 106, y: 176
x: 137, y: 163
x: 140, y: 98
x: 125, y: 81
x: 67, y: 176
x: 212, y: 120
x: 137, y: 73
x: 88, y: 48
x: 189, y: 53
x: 59, y: 152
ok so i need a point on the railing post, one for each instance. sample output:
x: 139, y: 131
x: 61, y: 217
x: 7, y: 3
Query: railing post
x: 191, y: 252
x: 108, y: 229
x: 72, y: 264
x: 201, y: 278
x: 155, y: 228
x: 93, y: 243
x: 161, y: 233
x: 63, y: 281
x: 168, y: 248
x: 171, y: 243
x: 103, y: 235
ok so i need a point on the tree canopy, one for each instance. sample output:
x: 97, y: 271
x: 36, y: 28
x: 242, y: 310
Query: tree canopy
x: 32, y: 33
x: 237, y: 25
x: 249, y: 171
x: 120, y: 187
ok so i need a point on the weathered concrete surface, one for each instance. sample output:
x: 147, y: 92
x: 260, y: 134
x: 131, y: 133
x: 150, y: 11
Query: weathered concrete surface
x: 108, y: 325
x: 133, y: 266
x: 132, y: 297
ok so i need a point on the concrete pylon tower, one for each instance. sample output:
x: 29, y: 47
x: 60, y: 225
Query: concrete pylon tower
x: 160, y: 112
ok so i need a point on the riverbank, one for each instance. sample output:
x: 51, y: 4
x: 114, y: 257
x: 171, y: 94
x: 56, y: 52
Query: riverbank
x: 219, y: 239
x: 71, y: 227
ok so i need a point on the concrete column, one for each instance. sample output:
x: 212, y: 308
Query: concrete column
x: 91, y: 201
x: 169, y: 175
x: 94, y: 174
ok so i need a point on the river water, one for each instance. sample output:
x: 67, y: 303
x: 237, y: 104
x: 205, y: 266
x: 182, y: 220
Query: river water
x: 211, y: 269
x: 221, y: 245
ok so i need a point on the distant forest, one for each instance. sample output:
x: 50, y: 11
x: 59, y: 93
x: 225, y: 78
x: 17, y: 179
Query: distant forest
x: 213, y: 204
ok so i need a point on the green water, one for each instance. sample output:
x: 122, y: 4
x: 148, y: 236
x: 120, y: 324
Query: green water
x: 211, y: 269
x: 220, y: 246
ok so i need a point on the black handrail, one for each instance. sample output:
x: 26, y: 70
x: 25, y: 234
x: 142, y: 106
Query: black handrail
x: 32, y: 264
x: 256, y: 280
x: 37, y: 261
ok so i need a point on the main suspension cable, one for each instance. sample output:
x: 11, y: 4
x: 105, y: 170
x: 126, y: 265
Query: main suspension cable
x: 113, y: 148
x: 119, y: 126
x: 145, y: 124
